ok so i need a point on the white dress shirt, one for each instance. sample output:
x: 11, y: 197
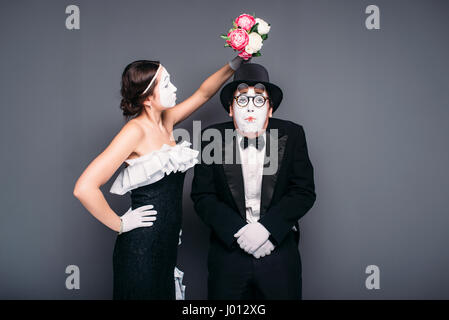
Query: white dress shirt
x: 252, y: 161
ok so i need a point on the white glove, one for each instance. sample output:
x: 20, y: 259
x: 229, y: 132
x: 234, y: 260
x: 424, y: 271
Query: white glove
x: 264, y: 250
x: 139, y: 217
x: 252, y: 236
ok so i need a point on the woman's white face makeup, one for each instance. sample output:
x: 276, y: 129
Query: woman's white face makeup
x: 250, y: 119
x: 167, y: 91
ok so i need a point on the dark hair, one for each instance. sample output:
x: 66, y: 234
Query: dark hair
x: 135, y: 79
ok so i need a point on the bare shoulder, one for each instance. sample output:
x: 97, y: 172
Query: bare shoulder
x: 133, y: 129
x: 101, y: 169
x: 126, y: 141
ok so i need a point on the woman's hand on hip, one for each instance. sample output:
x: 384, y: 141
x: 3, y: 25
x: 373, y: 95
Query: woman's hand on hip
x: 137, y: 218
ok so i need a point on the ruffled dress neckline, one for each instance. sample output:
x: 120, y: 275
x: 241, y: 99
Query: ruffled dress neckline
x: 153, y: 166
x: 165, y: 146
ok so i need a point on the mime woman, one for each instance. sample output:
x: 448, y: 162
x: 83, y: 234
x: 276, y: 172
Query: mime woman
x: 145, y: 250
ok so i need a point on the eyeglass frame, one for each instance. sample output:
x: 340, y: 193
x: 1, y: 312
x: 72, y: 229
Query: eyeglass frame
x: 249, y: 99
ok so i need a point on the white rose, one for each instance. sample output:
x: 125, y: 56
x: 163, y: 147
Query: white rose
x: 262, y: 27
x: 255, y: 42
x: 249, y: 50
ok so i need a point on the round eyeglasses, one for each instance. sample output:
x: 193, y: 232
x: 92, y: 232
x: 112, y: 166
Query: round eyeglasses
x: 258, y: 100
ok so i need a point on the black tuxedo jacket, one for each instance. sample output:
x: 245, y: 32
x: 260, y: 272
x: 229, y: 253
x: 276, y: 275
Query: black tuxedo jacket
x: 218, y: 188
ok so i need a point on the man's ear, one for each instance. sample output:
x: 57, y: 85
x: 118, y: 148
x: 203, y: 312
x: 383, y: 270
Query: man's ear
x: 230, y: 111
x: 270, y: 112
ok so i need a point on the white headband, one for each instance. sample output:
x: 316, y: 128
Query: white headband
x: 152, y: 80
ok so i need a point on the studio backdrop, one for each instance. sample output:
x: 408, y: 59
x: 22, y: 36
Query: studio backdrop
x: 368, y: 81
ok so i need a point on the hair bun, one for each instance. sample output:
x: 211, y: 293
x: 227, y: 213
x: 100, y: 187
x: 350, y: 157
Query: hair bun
x: 128, y: 107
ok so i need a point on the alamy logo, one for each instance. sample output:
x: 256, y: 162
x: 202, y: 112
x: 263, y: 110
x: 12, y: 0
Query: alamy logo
x: 373, y: 20
x: 73, y: 20
x: 73, y: 280
x: 222, y: 149
x: 373, y: 280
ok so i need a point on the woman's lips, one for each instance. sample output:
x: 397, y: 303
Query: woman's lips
x: 250, y: 119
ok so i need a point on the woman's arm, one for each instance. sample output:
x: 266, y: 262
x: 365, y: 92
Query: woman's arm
x: 101, y: 169
x: 206, y: 91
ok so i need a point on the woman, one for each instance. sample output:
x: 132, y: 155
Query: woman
x: 144, y: 258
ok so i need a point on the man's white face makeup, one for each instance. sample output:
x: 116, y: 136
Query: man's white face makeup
x: 250, y: 107
x: 167, y: 95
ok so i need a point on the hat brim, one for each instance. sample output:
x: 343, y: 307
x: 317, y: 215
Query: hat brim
x: 227, y: 93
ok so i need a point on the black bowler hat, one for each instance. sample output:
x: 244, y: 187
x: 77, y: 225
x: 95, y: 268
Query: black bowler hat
x: 251, y: 73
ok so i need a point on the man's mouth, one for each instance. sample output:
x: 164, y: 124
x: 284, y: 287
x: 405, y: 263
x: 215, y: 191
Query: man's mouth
x: 250, y: 119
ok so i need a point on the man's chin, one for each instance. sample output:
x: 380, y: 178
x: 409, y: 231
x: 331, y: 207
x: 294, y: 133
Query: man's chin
x: 251, y: 133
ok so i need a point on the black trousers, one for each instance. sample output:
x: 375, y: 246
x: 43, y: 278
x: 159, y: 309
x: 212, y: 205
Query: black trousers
x: 237, y: 275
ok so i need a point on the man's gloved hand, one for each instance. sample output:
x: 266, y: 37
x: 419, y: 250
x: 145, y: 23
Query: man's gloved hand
x: 139, y: 217
x: 252, y: 236
x: 264, y: 250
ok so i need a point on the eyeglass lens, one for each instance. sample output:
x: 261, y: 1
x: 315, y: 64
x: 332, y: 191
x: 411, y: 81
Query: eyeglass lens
x: 258, y: 100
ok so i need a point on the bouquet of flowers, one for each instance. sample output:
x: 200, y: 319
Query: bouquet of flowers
x: 247, y: 35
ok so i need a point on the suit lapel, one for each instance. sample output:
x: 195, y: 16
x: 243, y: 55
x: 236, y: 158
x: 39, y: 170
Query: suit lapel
x: 269, y: 180
x: 234, y: 175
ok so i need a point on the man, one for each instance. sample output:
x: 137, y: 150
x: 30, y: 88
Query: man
x: 252, y: 211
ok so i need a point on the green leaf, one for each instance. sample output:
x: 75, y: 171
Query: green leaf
x: 227, y: 45
x: 254, y: 28
x: 257, y: 54
x: 224, y: 37
x: 264, y: 36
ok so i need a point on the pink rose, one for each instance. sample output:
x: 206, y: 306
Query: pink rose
x: 245, y: 21
x: 238, y: 39
x: 245, y: 55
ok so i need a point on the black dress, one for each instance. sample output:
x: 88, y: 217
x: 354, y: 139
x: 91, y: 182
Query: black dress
x: 144, y: 259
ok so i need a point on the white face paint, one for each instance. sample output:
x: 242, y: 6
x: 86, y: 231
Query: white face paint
x: 167, y: 90
x: 250, y: 118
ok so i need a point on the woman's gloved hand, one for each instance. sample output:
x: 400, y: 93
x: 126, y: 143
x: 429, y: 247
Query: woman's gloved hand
x: 237, y: 61
x: 139, y: 217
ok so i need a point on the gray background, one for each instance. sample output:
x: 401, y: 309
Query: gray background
x: 374, y: 106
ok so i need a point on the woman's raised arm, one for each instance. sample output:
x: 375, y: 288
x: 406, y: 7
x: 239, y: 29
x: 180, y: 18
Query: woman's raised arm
x: 206, y: 91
